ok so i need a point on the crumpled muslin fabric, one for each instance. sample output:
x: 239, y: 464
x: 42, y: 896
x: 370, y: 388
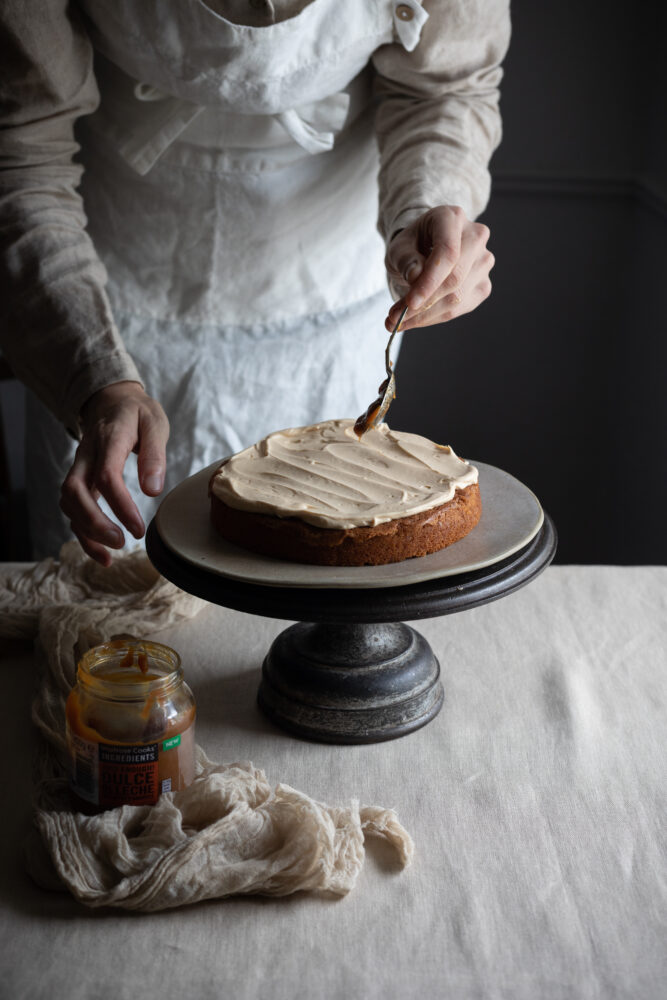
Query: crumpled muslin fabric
x: 229, y: 832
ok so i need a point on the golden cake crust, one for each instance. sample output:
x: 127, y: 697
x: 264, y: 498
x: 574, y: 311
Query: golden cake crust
x: 368, y: 545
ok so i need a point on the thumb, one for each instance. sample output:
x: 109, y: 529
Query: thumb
x: 404, y: 261
x: 402, y: 282
x: 413, y: 269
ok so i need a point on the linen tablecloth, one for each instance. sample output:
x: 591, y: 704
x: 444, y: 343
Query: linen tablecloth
x: 536, y: 800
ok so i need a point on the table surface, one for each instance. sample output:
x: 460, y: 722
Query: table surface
x: 536, y: 800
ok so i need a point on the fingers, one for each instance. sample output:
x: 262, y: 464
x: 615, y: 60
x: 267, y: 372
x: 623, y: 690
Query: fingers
x: 452, y: 287
x: 446, y: 232
x: 91, y: 526
x: 457, y: 303
x: 152, y: 453
x: 113, y: 444
x: 473, y: 257
x: 121, y: 420
x: 454, y: 277
x: 92, y: 549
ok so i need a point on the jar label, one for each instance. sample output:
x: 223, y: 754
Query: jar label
x: 108, y: 774
x: 128, y: 774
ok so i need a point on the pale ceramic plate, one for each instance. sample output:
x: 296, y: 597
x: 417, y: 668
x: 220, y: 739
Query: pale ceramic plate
x: 511, y: 517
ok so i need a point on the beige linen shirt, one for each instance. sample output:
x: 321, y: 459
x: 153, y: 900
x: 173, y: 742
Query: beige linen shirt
x: 437, y: 125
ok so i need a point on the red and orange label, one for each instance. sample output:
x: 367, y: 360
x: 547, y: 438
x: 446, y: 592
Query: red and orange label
x: 109, y: 775
x: 127, y: 775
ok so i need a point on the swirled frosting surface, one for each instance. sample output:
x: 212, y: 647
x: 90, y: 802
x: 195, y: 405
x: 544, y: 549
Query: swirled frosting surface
x: 328, y: 477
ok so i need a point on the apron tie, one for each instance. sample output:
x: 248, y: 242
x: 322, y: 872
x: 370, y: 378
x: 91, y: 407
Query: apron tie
x: 169, y: 116
x: 313, y: 127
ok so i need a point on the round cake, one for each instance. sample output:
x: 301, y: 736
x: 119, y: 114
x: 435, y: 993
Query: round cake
x: 322, y: 495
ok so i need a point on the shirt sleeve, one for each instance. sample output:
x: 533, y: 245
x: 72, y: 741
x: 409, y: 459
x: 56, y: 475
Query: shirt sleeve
x: 56, y: 328
x: 438, y: 120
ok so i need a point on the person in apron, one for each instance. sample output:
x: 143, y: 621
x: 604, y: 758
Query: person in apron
x: 230, y: 186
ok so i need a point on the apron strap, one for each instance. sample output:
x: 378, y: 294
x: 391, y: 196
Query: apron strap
x: 169, y: 116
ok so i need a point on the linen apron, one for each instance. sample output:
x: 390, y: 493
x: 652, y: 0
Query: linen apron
x: 231, y: 192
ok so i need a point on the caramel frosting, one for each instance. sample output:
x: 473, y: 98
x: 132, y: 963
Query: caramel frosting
x: 325, y: 475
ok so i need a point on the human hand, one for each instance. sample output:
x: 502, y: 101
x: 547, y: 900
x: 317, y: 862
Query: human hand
x: 116, y: 420
x: 439, y: 266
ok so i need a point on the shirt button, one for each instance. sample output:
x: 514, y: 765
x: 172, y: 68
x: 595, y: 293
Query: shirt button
x: 404, y: 12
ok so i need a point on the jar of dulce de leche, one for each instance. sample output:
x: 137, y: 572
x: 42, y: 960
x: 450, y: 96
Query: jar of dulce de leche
x: 130, y: 725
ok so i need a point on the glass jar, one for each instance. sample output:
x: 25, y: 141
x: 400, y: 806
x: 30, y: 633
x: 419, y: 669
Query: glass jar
x: 130, y: 725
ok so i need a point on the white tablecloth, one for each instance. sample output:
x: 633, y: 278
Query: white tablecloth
x: 537, y: 801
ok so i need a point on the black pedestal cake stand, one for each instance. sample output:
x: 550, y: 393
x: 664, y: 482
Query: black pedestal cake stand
x: 350, y: 670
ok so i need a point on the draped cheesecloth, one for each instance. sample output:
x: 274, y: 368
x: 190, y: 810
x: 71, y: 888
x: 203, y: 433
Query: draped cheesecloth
x: 227, y: 833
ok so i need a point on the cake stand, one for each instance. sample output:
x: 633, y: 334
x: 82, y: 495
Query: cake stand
x: 350, y: 670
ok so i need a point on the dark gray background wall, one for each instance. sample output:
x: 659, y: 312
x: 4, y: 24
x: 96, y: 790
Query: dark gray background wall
x: 559, y: 377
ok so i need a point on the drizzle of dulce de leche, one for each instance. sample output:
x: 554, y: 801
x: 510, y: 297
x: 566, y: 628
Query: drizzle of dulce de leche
x: 367, y: 419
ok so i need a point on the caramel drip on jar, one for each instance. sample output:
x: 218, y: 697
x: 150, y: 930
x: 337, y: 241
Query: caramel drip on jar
x: 128, y: 660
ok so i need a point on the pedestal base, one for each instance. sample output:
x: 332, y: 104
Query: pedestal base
x: 350, y: 683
